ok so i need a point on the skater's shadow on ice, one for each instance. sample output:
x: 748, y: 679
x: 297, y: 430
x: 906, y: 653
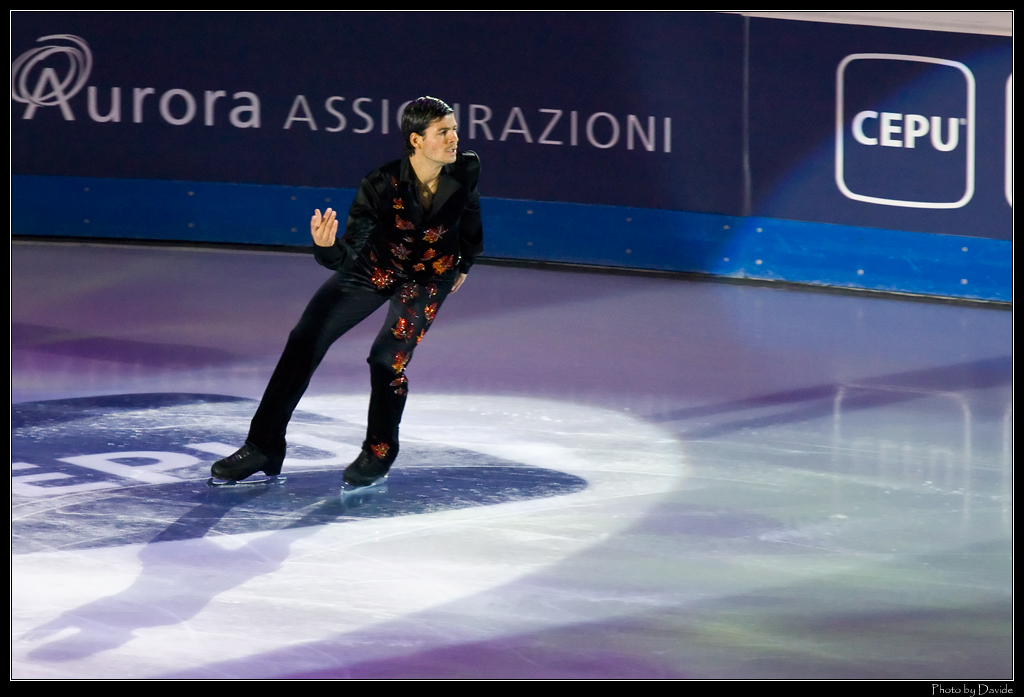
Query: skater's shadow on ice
x: 185, y: 565
x: 176, y: 581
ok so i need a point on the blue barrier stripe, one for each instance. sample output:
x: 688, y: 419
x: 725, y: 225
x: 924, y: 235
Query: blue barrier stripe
x: 732, y: 246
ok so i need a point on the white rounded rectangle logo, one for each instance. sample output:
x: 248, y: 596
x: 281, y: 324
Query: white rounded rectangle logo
x: 905, y: 130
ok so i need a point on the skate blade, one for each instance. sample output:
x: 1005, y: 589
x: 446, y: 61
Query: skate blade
x: 215, y: 483
x: 356, y: 495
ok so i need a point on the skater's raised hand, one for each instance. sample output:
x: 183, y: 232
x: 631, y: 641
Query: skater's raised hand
x: 324, y: 228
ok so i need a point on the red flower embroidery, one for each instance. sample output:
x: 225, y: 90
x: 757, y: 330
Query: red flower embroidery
x: 380, y: 451
x: 431, y: 290
x: 399, y: 384
x: 429, y: 254
x: 399, y: 204
x: 408, y: 292
x: 444, y: 263
x: 403, y: 224
x: 394, y: 182
x: 403, y: 329
x: 400, y: 251
x: 420, y: 337
x: 418, y: 267
x: 430, y: 311
x: 434, y: 234
x: 401, y: 359
x: 382, y: 278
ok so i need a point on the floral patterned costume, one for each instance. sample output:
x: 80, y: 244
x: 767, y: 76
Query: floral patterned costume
x: 394, y: 251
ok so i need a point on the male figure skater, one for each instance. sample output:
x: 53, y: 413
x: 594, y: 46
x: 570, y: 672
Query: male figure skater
x: 412, y: 234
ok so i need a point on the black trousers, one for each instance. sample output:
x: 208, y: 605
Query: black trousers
x: 340, y: 304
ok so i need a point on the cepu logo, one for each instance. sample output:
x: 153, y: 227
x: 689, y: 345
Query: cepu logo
x: 913, y: 147
x: 916, y: 126
x: 126, y: 467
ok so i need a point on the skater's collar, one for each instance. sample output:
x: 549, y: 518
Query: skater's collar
x: 408, y: 174
x: 446, y: 183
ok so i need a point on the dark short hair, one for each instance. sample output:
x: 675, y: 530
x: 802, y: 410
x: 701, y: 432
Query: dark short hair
x: 419, y: 114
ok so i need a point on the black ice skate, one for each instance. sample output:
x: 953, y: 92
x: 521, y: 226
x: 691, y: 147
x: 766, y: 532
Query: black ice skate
x: 367, y: 476
x: 245, y: 462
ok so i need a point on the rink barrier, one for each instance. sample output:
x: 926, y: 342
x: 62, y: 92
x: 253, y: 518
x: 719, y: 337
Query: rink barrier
x: 612, y: 236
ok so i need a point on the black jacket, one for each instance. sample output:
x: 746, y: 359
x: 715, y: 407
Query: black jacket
x: 389, y: 237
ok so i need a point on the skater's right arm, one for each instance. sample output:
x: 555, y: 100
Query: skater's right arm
x: 324, y: 228
x: 337, y: 253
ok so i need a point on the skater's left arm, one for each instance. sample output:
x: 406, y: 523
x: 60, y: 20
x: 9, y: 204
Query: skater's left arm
x: 471, y: 231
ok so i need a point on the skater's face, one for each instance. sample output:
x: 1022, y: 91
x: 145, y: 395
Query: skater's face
x: 439, y: 142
